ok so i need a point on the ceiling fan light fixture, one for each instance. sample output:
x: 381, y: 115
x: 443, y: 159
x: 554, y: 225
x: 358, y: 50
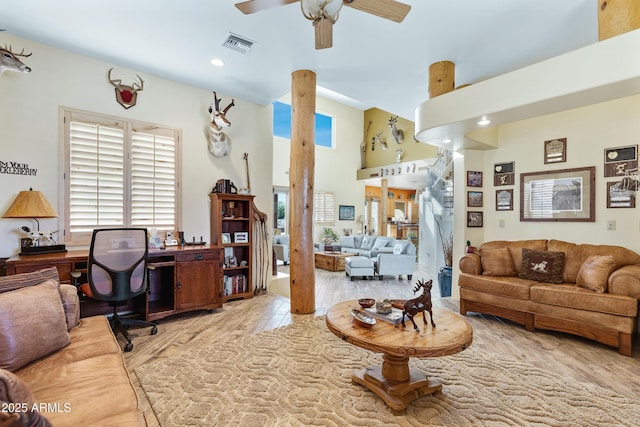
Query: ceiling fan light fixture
x: 324, y: 33
x: 317, y: 9
x: 323, y: 13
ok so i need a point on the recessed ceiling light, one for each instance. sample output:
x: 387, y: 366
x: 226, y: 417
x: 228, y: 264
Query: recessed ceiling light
x: 484, y: 121
x: 447, y: 141
x: 217, y: 62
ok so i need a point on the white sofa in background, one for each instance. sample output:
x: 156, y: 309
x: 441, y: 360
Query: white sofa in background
x: 368, y: 246
x: 400, y: 262
x: 281, y: 246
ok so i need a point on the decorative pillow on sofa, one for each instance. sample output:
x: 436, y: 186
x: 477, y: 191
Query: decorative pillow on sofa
x: 594, y: 272
x: 542, y: 266
x: 32, y: 324
x: 368, y: 242
x: 347, y: 241
x: 13, y: 389
x: 497, y: 262
x: 380, y: 243
x: 400, y: 246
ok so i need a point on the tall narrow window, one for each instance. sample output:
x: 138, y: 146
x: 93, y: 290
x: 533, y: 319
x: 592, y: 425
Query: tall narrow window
x: 282, y: 125
x: 323, y: 208
x: 118, y: 173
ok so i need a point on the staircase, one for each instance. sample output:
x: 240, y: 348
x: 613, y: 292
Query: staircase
x: 439, y: 188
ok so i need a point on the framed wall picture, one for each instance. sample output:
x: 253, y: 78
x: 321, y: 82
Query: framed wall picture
x: 504, y: 200
x: 619, y: 197
x: 474, y: 199
x: 474, y: 219
x: 619, y: 161
x: 504, y: 174
x: 241, y: 237
x: 346, y: 213
x: 474, y: 179
x: 560, y: 195
x: 226, y: 238
x: 555, y: 150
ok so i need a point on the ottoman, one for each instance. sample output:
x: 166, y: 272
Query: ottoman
x: 360, y: 266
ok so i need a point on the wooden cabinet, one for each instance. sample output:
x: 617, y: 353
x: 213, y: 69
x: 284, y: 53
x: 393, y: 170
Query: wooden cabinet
x: 231, y: 220
x: 180, y: 279
x: 197, y: 280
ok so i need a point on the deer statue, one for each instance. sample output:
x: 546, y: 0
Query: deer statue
x: 420, y: 304
x: 219, y: 142
x: 398, y: 135
x: 126, y: 95
x: 9, y: 61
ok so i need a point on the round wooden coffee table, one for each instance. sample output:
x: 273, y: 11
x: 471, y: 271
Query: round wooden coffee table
x: 396, y: 383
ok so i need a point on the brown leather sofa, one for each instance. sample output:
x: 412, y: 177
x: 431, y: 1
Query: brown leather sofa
x: 593, y: 292
x: 56, y: 366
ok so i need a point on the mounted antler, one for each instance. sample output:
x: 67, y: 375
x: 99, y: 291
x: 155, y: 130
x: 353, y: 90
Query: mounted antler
x: 126, y: 95
x: 17, y: 54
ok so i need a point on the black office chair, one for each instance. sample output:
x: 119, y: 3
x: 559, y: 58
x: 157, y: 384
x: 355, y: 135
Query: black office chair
x: 117, y: 272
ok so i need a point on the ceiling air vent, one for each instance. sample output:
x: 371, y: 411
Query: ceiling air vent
x: 238, y: 43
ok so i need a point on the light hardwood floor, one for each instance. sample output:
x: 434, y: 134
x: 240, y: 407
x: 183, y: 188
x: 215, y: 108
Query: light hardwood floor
x: 563, y: 354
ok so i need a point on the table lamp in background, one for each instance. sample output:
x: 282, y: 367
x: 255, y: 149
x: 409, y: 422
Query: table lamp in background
x: 33, y: 204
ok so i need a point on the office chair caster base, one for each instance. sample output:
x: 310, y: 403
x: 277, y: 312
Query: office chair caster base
x: 128, y: 347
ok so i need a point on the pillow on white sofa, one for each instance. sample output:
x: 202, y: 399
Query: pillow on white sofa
x: 347, y: 242
x: 400, y: 247
x: 368, y: 242
x: 32, y: 324
x: 380, y: 243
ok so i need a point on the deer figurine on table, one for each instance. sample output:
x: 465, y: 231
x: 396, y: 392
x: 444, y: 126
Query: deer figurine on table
x: 219, y: 142
x: 420, y: 304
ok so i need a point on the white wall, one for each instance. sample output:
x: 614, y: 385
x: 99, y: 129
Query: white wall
x: 589, y: 130
x: 29, y: 124
x: 335, y: 169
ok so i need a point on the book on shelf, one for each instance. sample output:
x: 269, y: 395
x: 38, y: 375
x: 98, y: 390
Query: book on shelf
x: 394, y: 317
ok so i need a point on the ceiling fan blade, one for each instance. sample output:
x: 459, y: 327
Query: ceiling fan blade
x: 253, y: 6
x: 387, y: 9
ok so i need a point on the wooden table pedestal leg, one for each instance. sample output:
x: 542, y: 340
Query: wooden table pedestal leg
x: 395, y: 382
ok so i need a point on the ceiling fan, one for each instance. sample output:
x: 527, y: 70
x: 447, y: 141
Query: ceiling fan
x: 324, y: 13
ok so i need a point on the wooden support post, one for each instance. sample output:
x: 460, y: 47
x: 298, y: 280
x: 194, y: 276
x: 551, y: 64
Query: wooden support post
x: 301, y: 172
x: 617, y: 16
x: 441, y: 78
x: 382, y: 220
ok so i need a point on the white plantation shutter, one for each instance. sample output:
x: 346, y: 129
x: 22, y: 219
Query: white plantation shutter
x: 153, y: 178
x: 323, y: 208
x: 118, y: 174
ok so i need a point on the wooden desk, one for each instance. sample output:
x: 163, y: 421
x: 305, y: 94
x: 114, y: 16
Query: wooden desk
x: 184, y: 279
x: 394, y: 381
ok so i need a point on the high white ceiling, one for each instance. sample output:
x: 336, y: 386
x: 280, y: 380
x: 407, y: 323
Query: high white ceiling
x: 373, y: 63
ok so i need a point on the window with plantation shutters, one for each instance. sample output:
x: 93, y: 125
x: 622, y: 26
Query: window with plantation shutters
x: 118, y: 173
x: 323, y: 208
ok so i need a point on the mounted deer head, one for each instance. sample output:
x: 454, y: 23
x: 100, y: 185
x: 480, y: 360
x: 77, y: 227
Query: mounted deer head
x: 398, y: 135
x: 219, y: 118
x: 219, y: 143
x: 9, y: 61
x: 126, y: 95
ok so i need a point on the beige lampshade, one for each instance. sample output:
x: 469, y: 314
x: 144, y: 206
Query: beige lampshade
x: 30, y: 204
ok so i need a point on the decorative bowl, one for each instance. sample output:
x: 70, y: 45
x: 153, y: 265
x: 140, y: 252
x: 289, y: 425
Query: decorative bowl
x: 366, y: 302
x: 383, y: 307
x: 362, y: 318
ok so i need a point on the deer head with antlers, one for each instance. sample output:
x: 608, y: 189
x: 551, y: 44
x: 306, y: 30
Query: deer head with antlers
x: 219, y: 143
x: 9, y: 60
x: 126, y: 95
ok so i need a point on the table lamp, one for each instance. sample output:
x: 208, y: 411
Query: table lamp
x: 33, y: 204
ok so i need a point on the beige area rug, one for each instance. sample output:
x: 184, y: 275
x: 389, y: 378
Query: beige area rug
x: 300, y: 375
